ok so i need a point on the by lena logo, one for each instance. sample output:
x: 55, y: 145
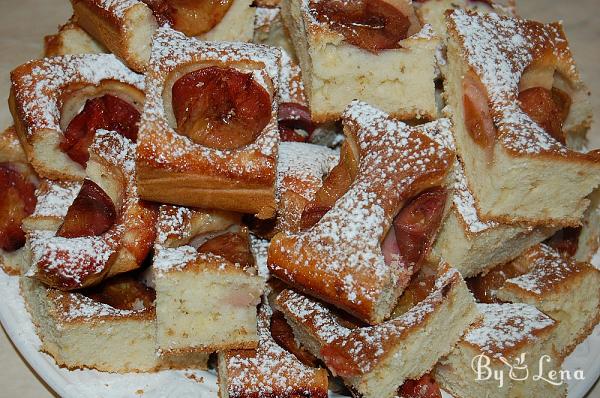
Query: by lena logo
x: 519, y: 371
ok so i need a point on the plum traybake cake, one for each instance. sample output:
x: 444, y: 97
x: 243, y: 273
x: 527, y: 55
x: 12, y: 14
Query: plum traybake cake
x: 364, y: 50
x: 207, y: 285
x: 517, y: 334
x: 323, y: 196
x: 208, y: 133
x: 515, y: 94
x: 126, y: 27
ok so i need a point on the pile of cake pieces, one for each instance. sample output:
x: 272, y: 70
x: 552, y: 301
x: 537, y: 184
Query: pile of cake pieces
x: 359, y: 196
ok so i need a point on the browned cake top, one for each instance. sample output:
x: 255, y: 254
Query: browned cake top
x: 160, y: 146
x: 271, y: 371
x: 73, y: 259
x: 39, y: 85
x: 548, y: 271
x: 365, y: 346
x: 506, y: 328
x: 499, y: 49
x: 301, y: 168
x: 177, y: 226
x: 130, y: 299
x: 340, y: 258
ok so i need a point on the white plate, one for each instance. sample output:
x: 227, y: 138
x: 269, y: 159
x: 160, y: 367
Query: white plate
x: 91, y: 383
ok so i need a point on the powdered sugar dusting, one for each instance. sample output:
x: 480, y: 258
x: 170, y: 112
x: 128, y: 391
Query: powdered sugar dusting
x: 259, y: 248
x: 365, y: 345
x: 307, y: 163
x: 499, y: 49
x: 118, y: 8
x: 464, y: 203
x: 162, y: 147
x: 55, y: 197
x: 548, y: 270
x: 39, y: 84
x: 270, y: 370
x: 507, y: 326
x: 344, y: 247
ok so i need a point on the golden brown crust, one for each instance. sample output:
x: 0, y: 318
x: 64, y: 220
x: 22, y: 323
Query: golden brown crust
x: 74, y: 263
x: 112, y: 23
x: 46, y: 94
x: 521, y: 45
x: 321, y: 261
x: 269, y: 371
x: 238, y: 179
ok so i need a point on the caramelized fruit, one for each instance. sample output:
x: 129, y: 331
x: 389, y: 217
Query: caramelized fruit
x: 91, y: 214
x: 417, y: 223
x: 220, y: 108
x: 566, y: 241
x: 478, y: 116
x: 234, y: 247
x: 294, y: 121
x: 192, y: 17
x: 548, y: 108
x: 107, y: 112
x: 334, y: 186
x: 373, y: 25
x: 17, y: 201
x: 425, y: 387
x: 124, y: 293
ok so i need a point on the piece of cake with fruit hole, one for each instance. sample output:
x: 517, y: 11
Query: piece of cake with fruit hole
x: 474, y: 246
x: 514, y: 93
x: 118, y: 316
x: 83, y: 232
x: 206, y: 281
x: 59, y: 103
x: 375, y: 361
x: 363, y: 50
x: 301, y: 171
x: 561, y: 287
x: 18, y: 183
x: 501, y: 356
x: 375, y: 217
x: 269, y: 370
x: 209, y: 134
x: 71, y: 39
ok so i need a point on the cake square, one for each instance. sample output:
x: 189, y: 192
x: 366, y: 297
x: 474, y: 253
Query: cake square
x: 509, y: 335
x: 124, y: 27
x: 561, y: 287
x: 474, y: 246
x: 53, y: 102
x: 341, y: 63
x: 185, y: 155
x: 498, y: 69
x: 206, y: 282
x: 83, y: 232
x: 118, y: 316
x: 269, y: 370
x: 351, y: 256
x: 376, y: 360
